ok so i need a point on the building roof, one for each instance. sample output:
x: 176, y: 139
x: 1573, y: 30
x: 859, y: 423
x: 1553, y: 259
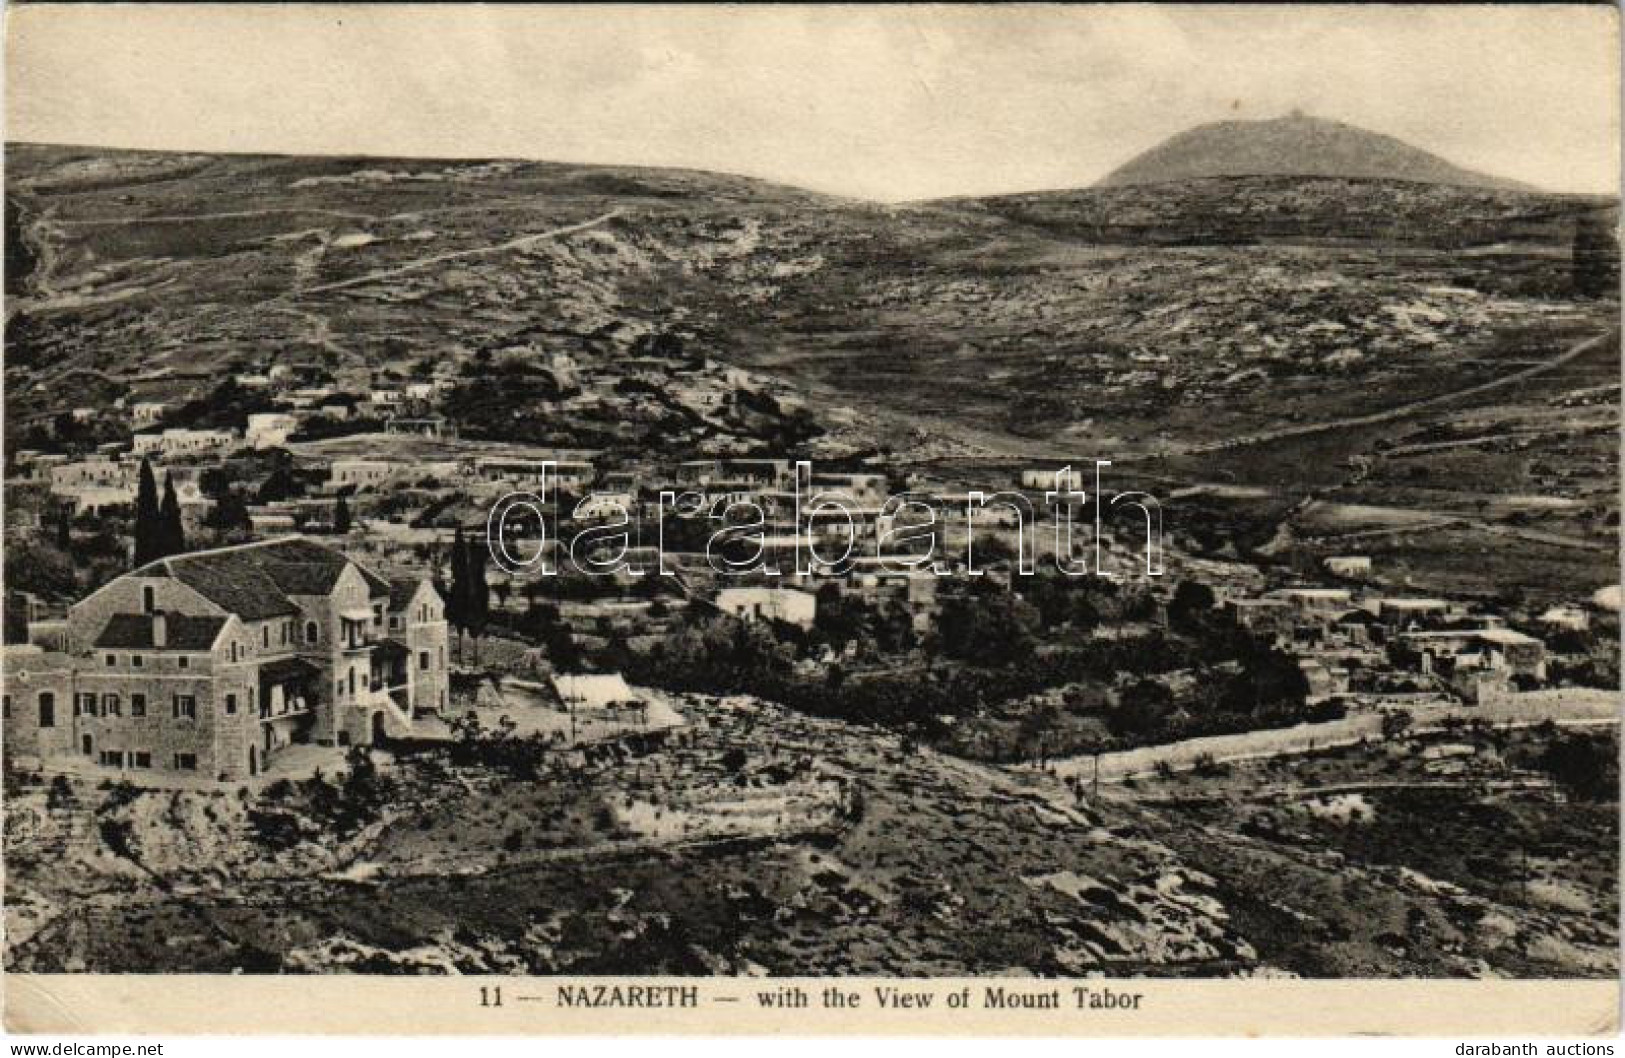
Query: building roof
x: 283, y: 669
x: 254, y: 581
x: 181, y: 632
x: 402, y: 589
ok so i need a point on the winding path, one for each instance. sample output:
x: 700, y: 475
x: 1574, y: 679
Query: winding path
x: 1572, y: 353
x: 429, y: 262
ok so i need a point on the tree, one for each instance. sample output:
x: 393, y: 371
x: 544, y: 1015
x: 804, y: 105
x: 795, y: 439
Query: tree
x: 988, y: 628
x: 1395, y: 722
x: 64, y: 529
x: 1269, y: 679
x: 478, y: 613
x: 148, y: 526
x: 1585, y: 765
x: 1595, y: 260
x: 230, y: 512
x: 1141, y: 709
x: 457, y: 595
x: 341, y: 516
x: 841, y: 618
x: 171, y: 533
x: 1191, y: 602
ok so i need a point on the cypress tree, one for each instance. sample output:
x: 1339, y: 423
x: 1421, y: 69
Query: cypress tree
x: 341, y: 516
x: 146, y: 516
x: 457, y: 597
x: 479, y: 591
x: 171, y: 534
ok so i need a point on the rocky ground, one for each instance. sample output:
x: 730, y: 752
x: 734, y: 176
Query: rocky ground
x: 766, y: 842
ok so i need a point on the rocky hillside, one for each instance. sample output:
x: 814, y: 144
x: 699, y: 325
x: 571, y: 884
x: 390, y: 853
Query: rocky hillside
x: 1295, y: 145
x: 1137, y: 315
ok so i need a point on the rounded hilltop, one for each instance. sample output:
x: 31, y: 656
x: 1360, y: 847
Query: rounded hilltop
x: 1295, y: 144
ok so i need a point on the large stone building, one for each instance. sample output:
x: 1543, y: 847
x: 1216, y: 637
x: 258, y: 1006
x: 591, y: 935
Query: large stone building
x: 211, y: 662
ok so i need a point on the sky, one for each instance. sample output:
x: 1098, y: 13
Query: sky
x: 886, y: 103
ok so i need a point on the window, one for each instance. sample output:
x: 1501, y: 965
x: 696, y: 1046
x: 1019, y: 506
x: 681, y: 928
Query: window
x: 311, y: 632
x: 394, y: 622
x: 110, y: 705
x: 138, y: 705
x: 113, y: 758
x: 231, y: 703
x: 234, y: 646
x: 137, y: 661
x: 5, y: 704
x: 141, y: 760
x: 186, y: 762
x: 112, y: 660
x: 338, y: 689
x: 47, y: 709
x: 84, y: 703
x: 149, y: 601
x: 265, y: 637
x: 184, y: 707
x: 183, y: 662
x: 423, y: 660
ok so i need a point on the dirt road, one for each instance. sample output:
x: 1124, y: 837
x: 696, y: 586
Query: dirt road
x: 1581, y: 707
x: 1568, y: 355
x: 429, y: 262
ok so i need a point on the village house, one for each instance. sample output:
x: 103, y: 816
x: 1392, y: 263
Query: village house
x: 567, y: 475
x: 606, y: 506
x: 790, y: 605
x: 435, y: 426
x: 1349, y: 565
x: 362, y: 473
x: 146, y: 413
x: 214, y: 661
x: 1317, y: 602
x: 1499, y: 650
x: 270, y: 429
x: 1057, y: 479
x: 310, y: 397
x: 1408, y: 614
x: 1569, y: 618
x: 180, y: 441
x: 92, y: 484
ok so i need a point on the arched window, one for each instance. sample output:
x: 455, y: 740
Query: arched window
x: 311, y: 632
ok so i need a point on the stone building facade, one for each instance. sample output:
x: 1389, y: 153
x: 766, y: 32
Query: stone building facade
x: 214, y: 661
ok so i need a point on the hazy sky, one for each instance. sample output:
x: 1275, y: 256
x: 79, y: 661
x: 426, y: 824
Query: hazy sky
x: 888, y: 103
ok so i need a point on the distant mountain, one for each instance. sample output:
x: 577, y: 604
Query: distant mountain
x: 1296, y: 145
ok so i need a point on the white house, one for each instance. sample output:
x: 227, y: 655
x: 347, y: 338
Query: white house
x: 270, y: 429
